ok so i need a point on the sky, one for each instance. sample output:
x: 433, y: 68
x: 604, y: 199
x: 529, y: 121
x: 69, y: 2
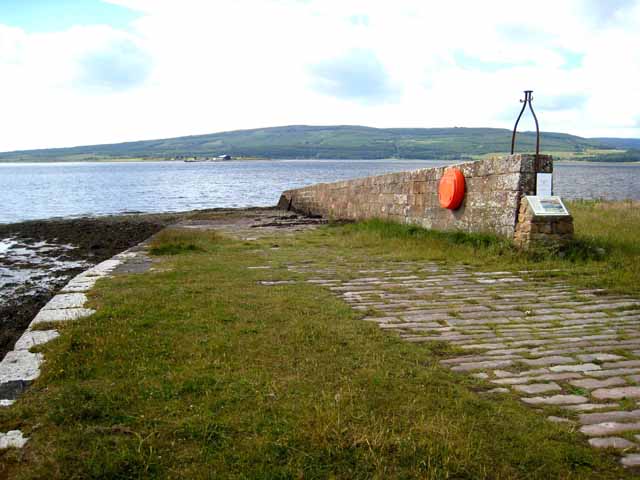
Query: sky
x: 79, y: 72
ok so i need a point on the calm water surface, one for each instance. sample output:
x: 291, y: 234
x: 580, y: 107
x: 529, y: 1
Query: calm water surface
x: 35, y: 191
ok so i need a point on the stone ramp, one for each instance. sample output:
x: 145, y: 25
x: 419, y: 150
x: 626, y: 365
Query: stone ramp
x: 550, y: 343
x: 251, y: 225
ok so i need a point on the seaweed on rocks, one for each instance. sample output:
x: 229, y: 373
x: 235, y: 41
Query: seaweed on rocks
x: 39, y: 257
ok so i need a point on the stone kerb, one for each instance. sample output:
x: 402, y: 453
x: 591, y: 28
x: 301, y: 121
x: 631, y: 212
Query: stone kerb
x: 494, y: 189
x: 20, y: 367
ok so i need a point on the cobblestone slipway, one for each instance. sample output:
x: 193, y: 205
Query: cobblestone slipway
x: 551, y: 344
x: 547, y: 342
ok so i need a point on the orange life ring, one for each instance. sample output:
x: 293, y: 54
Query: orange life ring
x: 451, y: 189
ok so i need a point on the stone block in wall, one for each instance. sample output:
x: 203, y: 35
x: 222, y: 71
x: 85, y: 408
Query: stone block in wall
x: 527, y: 184
x: 418, y: 187
x: 563, y: 226
x: 541, y: 164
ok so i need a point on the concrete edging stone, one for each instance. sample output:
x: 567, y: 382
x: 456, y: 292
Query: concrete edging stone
x: 20, y: 366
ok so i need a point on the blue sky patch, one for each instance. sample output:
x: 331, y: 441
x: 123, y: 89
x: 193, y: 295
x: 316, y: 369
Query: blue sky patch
x: 59, y: 15
x: 564, y: 102
x: 359, y: 20
x: 572, y: 60
x: 357, y: 75
x: 121, y: 66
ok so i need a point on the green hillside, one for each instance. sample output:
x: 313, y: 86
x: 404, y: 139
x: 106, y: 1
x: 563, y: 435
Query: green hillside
x: 300, y: 141
x: 623, y: 143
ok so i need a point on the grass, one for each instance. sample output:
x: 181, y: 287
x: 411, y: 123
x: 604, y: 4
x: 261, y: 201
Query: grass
x: 198, y: 371
x: 175, y: 242
x: 604, y: 254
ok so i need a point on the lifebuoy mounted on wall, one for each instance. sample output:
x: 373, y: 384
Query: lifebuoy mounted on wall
x: 451, y: 189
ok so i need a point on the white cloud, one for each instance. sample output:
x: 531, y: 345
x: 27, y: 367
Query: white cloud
x: 198, y: 66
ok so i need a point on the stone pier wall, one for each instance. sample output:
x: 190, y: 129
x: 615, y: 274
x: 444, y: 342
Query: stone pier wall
x: 493, y: 192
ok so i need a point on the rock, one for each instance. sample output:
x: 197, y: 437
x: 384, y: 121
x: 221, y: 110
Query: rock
x: 608, y: 428
x: 31, y: 338
x: 613, y: 372
x: 12, y: 439
x: 498, y: 390
x: 465, y: 367
x: 632, y: 460
x: 553, y: 360
x: 616, y: 393
x: 20, y: 365
x: 538, y: 388
x: 66, y: 300
x: 592, y: 418
x: 588, y: 407
x: 554, y: 419
x: 591, y: 384
x: 611, y: 442
x: 78, y: 286
x: 624, y: 364
x: 601, y: 357
x: 62, y: 315
x: 555, y: 400
x: 545, y: 377
x: 582, y: 367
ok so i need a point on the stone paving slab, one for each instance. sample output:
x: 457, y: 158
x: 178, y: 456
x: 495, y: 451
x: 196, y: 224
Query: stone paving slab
x: 20, y: 365
x: 632, y: 460
x: 32, y: 338
x: 545, y: 341
x: 611, y: 442
x: 66, y: 300
x: 61, y: 315
x: 591, y: 418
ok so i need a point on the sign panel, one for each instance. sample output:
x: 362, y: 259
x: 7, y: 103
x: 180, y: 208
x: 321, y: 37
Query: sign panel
x: 544, y: 184
x: 547, y: 206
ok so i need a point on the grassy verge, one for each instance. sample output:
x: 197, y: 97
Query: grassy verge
x: 605, y: 252
x: 199, y: 371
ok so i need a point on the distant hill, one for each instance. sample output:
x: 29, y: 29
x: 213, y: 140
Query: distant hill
x: 621, y: 143
x: 299, y: 141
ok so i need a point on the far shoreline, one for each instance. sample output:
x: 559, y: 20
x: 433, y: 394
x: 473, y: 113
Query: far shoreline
x: 253, y: 159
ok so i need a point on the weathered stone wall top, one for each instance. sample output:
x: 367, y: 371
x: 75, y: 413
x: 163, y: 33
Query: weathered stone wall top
x: 493, y: 189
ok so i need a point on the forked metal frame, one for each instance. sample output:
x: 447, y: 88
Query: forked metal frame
x: 527, y: 101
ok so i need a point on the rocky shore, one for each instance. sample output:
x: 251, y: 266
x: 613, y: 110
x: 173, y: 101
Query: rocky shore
x: 38, y: 257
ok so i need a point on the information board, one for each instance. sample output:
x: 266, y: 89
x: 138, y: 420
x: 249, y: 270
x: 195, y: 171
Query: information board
x: 544, y: 184
x: 547, y: 206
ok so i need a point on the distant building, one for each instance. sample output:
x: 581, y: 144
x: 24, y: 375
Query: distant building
x: 224, y: 157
